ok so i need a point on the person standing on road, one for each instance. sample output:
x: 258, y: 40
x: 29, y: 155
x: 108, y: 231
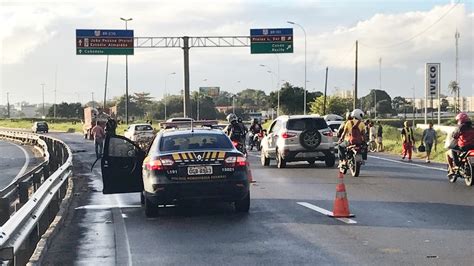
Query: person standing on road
x: 408, y: 141
x: 99, y: 134
x: 428, y: 139
x: 379, y: 137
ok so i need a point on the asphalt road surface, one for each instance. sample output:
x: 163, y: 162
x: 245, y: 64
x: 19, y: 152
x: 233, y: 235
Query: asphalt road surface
x: 406, y: 214
x: 15, y: 160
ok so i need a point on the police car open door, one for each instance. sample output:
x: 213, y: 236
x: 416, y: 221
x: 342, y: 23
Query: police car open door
x: 121, y: 166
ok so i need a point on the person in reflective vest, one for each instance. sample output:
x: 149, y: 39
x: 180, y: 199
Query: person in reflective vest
x: 408, y: 141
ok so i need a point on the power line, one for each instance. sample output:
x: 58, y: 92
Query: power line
x: 418, y: 34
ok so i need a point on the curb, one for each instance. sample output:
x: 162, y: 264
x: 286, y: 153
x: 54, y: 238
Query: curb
x: 54, y: 228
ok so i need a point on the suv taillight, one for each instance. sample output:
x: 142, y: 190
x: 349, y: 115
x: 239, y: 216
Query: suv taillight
x: 159, y: 164
x: 235, y: 161
x: 287, y: 135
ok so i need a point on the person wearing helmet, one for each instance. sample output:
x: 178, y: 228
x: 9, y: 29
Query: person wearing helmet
x: 234, y: 130
x: 464, y: 137
x: 408, y: 140
x: 349, y: 135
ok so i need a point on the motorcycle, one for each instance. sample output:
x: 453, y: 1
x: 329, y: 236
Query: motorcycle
x: 353, y: 160
x: 465, y: 169
x: 240, y: 146
x: 255, y: 140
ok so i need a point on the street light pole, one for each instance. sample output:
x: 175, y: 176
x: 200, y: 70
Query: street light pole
x: 278, y: 82
x: 126, y: 74
x: 8, y: 104
x: 166, y: 92
x: 304, y: 31
x: 42, y: 89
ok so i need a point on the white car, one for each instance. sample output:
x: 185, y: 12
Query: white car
x: 298, y: 138
x: 139, y: 132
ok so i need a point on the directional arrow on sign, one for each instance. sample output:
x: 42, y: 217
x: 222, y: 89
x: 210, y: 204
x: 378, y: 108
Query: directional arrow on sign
x: 289, y: 47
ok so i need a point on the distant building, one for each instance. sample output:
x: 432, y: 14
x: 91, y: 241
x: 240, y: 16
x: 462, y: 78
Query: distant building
x: 467, y: 103
x: 344, y: 93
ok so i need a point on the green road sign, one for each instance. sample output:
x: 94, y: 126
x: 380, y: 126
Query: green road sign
x: 101, y: 51
x: 271, y: 48
x: 271, y: 41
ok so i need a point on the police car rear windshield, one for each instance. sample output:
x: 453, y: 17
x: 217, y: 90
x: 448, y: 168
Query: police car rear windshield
x: 301, y: 124
x: 195, y: 142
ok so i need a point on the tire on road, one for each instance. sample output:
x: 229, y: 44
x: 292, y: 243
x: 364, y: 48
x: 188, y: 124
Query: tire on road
x: 243, y: 205
x: 355, y: 170
x: 281, y: 163
x: 151, y: 210
x: 330, y: 160
x: 264, y: 159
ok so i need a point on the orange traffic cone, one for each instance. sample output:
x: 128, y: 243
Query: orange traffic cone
x: 341, y: 203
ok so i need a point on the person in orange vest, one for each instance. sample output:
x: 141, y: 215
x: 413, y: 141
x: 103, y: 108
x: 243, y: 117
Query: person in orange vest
x: 408, y: 141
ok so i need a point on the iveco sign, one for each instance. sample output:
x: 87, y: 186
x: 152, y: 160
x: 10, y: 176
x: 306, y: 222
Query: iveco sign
x: 432, y: 82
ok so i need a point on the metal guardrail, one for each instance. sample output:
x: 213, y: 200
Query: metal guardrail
x: 30, y: 203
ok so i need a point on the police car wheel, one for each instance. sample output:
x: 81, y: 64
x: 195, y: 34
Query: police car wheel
x: 151, y: 210
x: 243, y: 205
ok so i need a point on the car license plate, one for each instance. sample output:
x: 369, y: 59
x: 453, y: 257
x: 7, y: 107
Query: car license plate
x: 200, y: 170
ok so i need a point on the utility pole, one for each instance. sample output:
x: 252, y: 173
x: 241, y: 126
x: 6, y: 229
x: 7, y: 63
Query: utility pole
x: 380, y: 87
x: 187, y: 101
x: 106, y: 76
x: 42, y: 89
x: 8, y: 104
x: 55, y: 88
x: 325, y: 91
x: 126, y: 74
x: 278, y: 85
x: 355, y: 82
x: 414, y: 107
x: 93, y: 103
x: 457, y: 36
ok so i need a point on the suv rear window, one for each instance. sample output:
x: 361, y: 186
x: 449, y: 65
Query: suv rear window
x: 301, y: 124
x: 193, y: 142
x: 143, y: 128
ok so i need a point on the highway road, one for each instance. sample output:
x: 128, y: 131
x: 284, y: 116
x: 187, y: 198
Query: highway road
x: 406, y: 214
x: 15, y: 160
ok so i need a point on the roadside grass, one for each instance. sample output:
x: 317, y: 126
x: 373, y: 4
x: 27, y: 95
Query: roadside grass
x: 393, y: 144
x: 68, y: 127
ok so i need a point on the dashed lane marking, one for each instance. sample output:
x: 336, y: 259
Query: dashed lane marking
x: 325, y: 212
x: 407, y: 163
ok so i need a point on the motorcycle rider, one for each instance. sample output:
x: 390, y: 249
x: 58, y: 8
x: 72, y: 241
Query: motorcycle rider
x: 255, y: 129
x: 349, y: 134
x: 235, y: 130
x: 464, y: 136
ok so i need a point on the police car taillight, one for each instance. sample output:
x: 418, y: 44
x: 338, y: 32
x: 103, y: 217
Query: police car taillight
x: 159, y: 164
x: 236, y: 161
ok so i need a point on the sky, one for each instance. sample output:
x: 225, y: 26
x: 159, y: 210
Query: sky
x: 38, y: 46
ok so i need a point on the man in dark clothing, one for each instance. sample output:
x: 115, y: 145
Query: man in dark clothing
x: 110, y: 126
x: 379, y: 137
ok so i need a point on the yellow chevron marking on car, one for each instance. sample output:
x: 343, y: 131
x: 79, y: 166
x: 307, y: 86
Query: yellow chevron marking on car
x: 221, y: 155
x: 176, y: 157
x: 192, y: 157
x: 183, y: 157
x: 211, y: 154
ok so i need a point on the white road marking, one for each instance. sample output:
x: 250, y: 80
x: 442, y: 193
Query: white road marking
x: 253, y: 155
x: 407, y: 163
x: 105, y: 207
x: 325, y: 212
x: 127, y: 241
x: 27, y: 160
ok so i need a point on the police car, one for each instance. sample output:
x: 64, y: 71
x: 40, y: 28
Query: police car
x: 185, y: 162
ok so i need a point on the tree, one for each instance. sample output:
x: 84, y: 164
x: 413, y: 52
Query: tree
x: 207, y: 108
x: 291, y: 99
x: 224, y: 99
x: 334, y: 105
x: 384, y: 101
x: 398, y: 103
x: 252, y: 99
x: 455, y: 89
x: 143, y: 99
x: 134, y: 109
x: 67, y: 110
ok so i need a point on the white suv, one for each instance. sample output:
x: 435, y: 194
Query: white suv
x: 298, y: 138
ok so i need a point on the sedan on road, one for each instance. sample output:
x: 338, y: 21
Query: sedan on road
x: 181, y: 165
x: 40, y: 126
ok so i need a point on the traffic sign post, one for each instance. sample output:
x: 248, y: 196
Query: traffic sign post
x: 104, y: 42
x: 271, y: 41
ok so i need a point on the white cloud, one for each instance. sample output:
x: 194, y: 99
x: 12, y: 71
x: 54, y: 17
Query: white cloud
x: 385, y: 35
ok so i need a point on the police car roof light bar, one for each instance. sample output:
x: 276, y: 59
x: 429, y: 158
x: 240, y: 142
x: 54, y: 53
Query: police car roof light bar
x: 188, y: 124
